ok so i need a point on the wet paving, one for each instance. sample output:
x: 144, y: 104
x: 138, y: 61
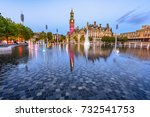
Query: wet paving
x: 69, y: 72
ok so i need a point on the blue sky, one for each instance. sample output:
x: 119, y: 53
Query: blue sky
x: 130, y: 14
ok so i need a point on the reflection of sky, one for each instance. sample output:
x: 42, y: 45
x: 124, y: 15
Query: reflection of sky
x: 55, y: 13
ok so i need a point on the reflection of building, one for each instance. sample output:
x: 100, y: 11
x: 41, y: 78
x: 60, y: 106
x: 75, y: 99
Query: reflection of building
x: 140, y: 35
x: 94, y: 53
x: 71, y: 57
x: 143, y: 54
x: 95, y: 31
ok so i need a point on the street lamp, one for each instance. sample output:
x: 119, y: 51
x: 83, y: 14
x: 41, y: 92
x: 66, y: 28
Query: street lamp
x: 116, y: 37
x: 57, y: 35
x: 22, y: 18
x: 46, y: 27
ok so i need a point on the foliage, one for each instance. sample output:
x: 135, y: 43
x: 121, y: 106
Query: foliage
x: 108, y: 39
x: 49, y: 36
x: 9, y: 29
x: 122, y: 39
x: 62, y: 38
x: 90, y: 38
x: 42, y: 35
x: 112, y: 39
x: 75, y: 38
x: 82, y: 39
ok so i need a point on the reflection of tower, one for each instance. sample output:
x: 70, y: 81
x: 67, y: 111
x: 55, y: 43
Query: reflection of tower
x: 72, y: 21
x: 71, y: 56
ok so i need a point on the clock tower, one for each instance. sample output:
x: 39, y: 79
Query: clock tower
x: 71, y: 21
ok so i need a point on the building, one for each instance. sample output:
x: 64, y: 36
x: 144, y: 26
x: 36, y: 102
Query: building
x: 140, y: 35
x: 72, y: 21
x: 96, y: 32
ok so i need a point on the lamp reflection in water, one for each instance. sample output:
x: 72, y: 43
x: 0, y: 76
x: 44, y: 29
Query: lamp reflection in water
x: 71, y: 57
x: 44, y: 47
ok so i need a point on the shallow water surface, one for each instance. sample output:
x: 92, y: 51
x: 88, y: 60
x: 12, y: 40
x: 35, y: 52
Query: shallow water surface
x: 72, y: 72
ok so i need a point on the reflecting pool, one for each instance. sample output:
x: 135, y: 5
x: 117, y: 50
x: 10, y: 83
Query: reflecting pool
x: 68, y: 72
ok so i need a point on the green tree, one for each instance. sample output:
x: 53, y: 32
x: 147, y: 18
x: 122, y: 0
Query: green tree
x: 10, y: 29
x: 123, y: 39
x: 75, y: 38
x: 50, y: 36
x: 62, y: 38
x: 90, y: 38
x: 82, y: 39
x: 108, y: 39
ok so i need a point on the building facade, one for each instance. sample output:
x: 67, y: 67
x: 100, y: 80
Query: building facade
x: 96, y: 32
x: 72, y: 21
x: 140, y: 35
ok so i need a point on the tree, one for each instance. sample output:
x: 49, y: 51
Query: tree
x: 108, y: 39
x: 50, y: 36
x: 42, y: 35
x: 8, y: 28
x: 82, y: 39
x: 75, y: 38
x: 62, y: 38
x: 122, y: 39
x: 90, y: 38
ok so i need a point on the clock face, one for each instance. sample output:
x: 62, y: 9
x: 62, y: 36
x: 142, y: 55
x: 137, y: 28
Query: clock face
x: 71, y: 20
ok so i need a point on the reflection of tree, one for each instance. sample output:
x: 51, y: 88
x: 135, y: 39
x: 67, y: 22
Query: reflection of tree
x: 19, y: 54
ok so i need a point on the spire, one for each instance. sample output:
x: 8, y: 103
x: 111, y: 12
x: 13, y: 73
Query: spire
x: 71, y: 14
x: 107, y: 25
x: 94, y: 23
x: 87, y: 24
x: 71, y: 10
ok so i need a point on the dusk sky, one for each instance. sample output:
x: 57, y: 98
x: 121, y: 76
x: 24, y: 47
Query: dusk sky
x: 130, y: 14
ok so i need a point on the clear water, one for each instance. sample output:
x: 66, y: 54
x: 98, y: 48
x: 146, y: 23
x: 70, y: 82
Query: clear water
x: 67, y: 72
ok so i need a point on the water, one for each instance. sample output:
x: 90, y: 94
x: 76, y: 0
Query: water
x: 65, y: 72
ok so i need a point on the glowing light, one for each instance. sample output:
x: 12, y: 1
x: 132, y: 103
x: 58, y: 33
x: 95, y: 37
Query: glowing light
x: 20, y: 51
x: 44, y: 50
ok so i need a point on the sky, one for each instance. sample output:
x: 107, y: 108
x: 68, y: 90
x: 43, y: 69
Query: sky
x: 129, y: 14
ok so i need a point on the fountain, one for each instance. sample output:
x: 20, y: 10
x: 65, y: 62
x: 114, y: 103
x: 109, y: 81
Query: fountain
x: 86, y: 43
x: 44, y: 47
x: 115, y: 49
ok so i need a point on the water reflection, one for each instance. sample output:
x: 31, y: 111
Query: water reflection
x: 70, y: 72
x: 142, y: 54
x: 92, y: 54
x: 71, y: 57
x: 17, y: 53
x: 103, y: 52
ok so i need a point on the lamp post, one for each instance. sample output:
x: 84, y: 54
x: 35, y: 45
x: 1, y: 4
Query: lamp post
x: 116, y: 37
x: 22, y: 18
x: 57, y: 35
x: 46, y: 27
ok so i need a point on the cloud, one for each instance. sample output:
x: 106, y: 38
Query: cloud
x: 125, y: 17
x: 139, y: 18
x: 135, y: 16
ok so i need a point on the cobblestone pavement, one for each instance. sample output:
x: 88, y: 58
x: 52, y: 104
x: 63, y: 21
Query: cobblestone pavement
x: 37, y: 75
